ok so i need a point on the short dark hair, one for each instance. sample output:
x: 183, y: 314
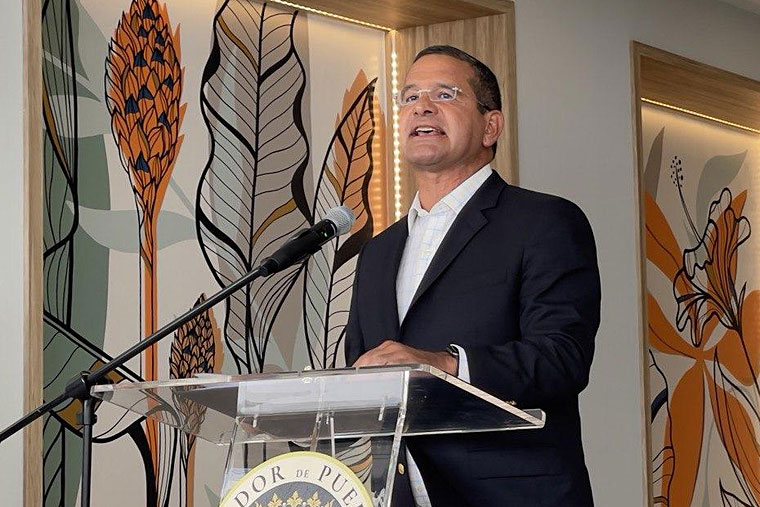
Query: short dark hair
x: 484, y: 84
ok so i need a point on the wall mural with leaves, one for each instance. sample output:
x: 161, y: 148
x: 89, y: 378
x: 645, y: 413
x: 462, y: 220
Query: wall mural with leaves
x: 701, y: 184
x: 184, y: 142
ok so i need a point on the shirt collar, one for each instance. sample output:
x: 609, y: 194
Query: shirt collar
x: 454, y: 200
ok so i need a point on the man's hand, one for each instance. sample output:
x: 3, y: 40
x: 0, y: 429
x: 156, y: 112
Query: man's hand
x: 391, y: 352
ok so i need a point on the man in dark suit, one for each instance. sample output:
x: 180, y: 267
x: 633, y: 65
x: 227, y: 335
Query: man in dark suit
x: 487, y: 281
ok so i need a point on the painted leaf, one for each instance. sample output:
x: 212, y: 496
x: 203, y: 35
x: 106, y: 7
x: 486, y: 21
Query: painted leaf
x: 658, y: 383
x: 114, y: 229
x: 59, y: 106
x: 662, y: 248
x: 737, y: 422
x: 654, y: 162
x: 346, y: 171
x: 729, y: 499
x: 739, y: 353
x: 60, y: 163
x: 91, y: 112
x: 251, y: 196
x: 684, y: 435
x: 662, y: 334
x: 54, y: 463
x: 718, y: 173
x: 662, y: 451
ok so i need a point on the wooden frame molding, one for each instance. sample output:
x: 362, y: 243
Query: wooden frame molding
x: 641, y: 247
x: 33, y: 248
x: 695, y: 88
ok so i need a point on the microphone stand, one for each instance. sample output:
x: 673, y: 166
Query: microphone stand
x: 79, y: 386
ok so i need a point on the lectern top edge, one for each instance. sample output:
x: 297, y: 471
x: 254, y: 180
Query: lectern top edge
x: 534, y: 417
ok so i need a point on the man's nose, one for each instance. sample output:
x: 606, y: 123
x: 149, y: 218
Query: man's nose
x: 425, y: 106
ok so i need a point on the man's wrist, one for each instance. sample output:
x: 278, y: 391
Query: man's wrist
x: 454, y: 353
x: 448, y: 362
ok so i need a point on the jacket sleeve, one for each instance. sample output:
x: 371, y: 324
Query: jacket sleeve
x: 354, y: 346
x: 559, y: 315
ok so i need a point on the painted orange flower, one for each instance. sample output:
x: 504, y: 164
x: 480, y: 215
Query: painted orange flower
x: 709, y: 270
x: 704, y: 286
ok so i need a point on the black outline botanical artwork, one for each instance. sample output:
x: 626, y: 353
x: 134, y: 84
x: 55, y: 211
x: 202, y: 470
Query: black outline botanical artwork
x: 251, y: 195
x: 702, y: 335
x: 344, y: 180
x: 259, y: 186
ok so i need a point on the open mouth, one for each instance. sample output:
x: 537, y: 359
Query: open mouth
x: 427, y: 131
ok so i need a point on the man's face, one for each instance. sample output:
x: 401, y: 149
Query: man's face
x: 458, y: 137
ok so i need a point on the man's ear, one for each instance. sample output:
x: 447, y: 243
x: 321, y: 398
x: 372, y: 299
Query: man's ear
x: 494, y: 126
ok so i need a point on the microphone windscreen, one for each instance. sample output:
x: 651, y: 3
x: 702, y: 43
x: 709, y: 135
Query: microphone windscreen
x: 342, y: 217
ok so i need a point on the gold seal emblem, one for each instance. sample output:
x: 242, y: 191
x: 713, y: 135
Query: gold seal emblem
x: 299, y: 479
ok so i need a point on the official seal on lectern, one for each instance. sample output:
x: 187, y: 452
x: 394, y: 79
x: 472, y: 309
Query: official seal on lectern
x: 299, y: 479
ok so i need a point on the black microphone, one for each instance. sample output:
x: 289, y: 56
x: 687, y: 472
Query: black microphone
x: 305, y: 242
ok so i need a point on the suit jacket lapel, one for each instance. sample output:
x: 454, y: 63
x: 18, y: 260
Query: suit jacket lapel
x: 469, y: 221
x: 387, y: 285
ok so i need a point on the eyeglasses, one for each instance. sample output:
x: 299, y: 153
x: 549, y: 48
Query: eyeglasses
x: 409, y: 96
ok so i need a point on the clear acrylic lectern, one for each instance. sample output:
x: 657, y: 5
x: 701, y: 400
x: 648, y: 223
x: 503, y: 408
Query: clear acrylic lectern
x: 318, y: 436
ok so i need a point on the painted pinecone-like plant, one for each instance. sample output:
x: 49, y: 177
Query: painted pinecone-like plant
x: 144, y: 81
x: 193, y: 351
x: 193, y: 347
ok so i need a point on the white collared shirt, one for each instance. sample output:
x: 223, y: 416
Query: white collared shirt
x: 426, y: 232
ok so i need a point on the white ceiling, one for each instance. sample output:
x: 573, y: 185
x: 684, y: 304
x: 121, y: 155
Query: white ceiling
x: 747, y: 5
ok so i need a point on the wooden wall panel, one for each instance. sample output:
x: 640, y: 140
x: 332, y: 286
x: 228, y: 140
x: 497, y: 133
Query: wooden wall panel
x: 33, y: 250
x: 398, y: 14
x: 491, y: 39
x: 691, y: 85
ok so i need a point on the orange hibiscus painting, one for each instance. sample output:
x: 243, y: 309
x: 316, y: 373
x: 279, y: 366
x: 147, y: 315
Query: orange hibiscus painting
x: 714, y: 337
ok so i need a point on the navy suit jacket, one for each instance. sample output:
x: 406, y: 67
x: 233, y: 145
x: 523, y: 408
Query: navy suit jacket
x: 515, y: 283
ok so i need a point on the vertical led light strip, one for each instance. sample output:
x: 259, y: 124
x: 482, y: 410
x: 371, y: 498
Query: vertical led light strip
x: 396, y: 141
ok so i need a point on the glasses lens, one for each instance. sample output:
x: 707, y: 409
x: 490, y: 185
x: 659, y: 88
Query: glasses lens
x: 408, y: 96
x: 443, y: 94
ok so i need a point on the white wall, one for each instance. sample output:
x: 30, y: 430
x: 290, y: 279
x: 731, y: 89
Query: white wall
x: 576, y: 139
x: 12, y: 251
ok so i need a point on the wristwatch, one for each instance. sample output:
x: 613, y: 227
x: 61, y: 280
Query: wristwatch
x: 454, y: 352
